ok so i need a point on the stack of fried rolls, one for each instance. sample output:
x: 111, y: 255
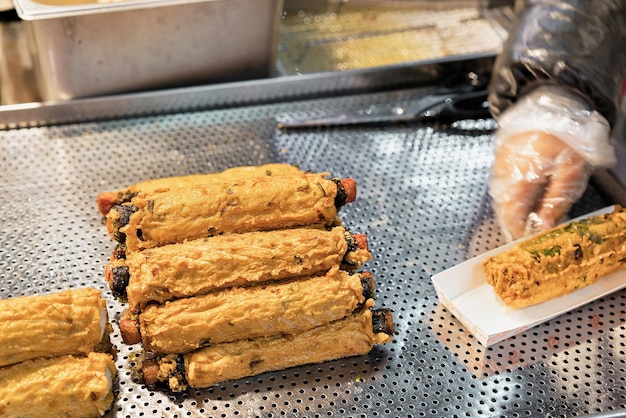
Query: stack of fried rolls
x: 233, y: 274
x: 56, y: 358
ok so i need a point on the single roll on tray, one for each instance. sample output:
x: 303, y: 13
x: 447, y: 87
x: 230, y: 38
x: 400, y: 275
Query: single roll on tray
x: 560, y: 261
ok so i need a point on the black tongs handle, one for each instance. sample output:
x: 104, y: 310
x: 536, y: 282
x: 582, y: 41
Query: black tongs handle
x: 462, y: 96
x: 472, y: 105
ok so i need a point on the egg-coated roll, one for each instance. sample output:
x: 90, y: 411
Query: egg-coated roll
x: 353, y: 335
x: 204, y: 265
x: 106, y: 200
x: 69, y: 322
x: 559, y: 261
x: 63, y: 386
x: 205, y: 210
x: 288, y: 307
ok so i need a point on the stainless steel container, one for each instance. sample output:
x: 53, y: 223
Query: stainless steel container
x: 97, y: 48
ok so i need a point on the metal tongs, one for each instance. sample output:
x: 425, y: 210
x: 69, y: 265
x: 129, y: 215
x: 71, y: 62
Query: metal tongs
x: 457, y: 98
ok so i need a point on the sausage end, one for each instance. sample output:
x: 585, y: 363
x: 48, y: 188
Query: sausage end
x: 129, y: 329
x: 349, y: 186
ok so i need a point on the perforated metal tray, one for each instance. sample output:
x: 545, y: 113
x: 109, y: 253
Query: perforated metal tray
x: 423, y: 204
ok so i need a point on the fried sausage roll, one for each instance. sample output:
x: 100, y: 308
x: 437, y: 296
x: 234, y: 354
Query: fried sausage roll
x: 559, y: 261
x: 107, y: 200
x: 290, y: 307
x: 205, y: 210
x: 63, y: 386
x: 69, y: 322
x: 201, y: 266
x: 351, y: 336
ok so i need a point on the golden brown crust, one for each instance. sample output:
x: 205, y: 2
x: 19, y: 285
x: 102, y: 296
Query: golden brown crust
x: 346, y: 337
x: 106, y: 200
x: 201, y: 266
x: 260, y: 265
x: 63, y: 386
x: 200, y: 211
x: 281, y: 308
x: 559, y: 261
x: 69, y: 322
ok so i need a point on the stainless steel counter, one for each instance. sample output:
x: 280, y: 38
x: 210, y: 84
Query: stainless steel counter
x: 422, y: 202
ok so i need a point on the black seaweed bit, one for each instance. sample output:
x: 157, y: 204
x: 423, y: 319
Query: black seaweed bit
x: 382, y: 321
x: 255, y: 362
x: 180, y: 370
x: 353, y: 245
x: 342, y: 197
x: 163, y: 383
x: 367, y: 283
x: 121, y: 275
x: 578, y: 253
x: 150, y: 355
x: 120, y: 252
x: 150, y: 206
x: 139, y: 234
x: 125, y: 212
x: 124, y: 197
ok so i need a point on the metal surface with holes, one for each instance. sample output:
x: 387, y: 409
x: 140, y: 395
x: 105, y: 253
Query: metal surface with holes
x: 424, y: 206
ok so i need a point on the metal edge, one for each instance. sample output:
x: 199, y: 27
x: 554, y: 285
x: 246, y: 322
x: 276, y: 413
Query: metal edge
x: 235, y: 94
x: 30, y: 10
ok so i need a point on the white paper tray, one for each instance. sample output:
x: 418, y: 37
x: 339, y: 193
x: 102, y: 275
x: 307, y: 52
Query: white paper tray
x: 464, y: 291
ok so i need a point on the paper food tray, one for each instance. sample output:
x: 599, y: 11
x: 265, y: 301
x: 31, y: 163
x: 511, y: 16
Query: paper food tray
x: 464, y: 291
